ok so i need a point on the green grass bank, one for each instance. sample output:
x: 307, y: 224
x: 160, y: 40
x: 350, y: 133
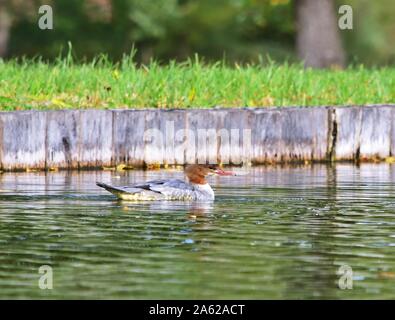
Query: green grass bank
x: 34, y: 84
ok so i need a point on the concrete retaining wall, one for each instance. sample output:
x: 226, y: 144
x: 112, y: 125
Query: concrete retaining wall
x: 96, y: 138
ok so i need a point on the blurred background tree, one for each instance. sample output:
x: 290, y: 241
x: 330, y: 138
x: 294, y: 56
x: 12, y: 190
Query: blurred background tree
x: 318, y: 41
x: 237, y: 30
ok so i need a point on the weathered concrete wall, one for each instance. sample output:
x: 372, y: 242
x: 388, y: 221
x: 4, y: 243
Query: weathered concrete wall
x: 96, y: 138
x: 364, y: 133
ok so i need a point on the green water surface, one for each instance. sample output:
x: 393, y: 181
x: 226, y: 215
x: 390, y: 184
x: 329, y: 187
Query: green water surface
x: 273, y: 233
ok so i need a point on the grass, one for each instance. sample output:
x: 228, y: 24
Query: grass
x: 34, y: 84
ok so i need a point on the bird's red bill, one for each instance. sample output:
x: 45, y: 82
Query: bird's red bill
x: 224, y: 173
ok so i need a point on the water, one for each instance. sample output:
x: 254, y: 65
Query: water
x: 278, y: 232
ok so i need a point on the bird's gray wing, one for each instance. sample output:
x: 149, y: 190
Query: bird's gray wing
x: 117, y: 190
x: 164, y: 183
x: 149, y: 185
x: 173, y: 188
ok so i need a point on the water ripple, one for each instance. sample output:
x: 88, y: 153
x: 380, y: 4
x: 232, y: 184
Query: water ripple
x: 277, y: 232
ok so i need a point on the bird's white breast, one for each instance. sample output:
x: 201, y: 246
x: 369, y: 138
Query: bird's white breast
x: 204, y: 191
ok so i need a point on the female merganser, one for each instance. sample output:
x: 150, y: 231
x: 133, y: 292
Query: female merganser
x: 196, y: 188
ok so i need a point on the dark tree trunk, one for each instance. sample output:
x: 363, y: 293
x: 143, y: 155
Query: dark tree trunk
x: 5, y: 25
x: 318, y: 39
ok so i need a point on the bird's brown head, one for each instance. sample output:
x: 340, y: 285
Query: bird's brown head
x: 197, y: 173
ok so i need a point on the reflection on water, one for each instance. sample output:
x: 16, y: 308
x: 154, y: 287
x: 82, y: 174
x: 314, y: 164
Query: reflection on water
x: 278, y: 232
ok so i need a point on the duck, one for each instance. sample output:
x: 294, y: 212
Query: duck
x: 195, y: 188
